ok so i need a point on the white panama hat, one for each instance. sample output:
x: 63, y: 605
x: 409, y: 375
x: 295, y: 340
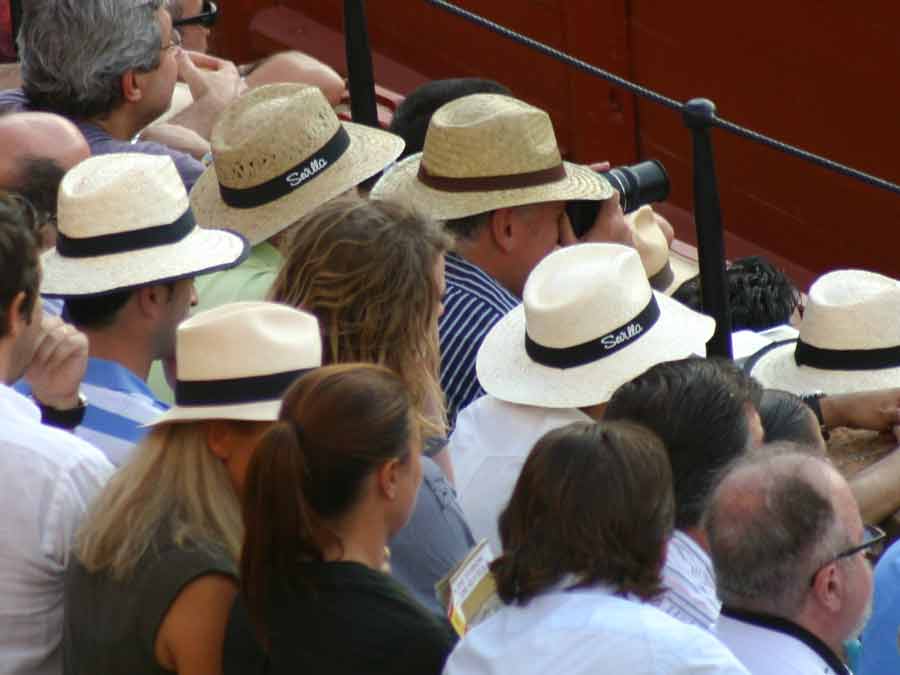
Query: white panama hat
x: 279, y: 151
x: 484, y: 152
x: 588, y: 323
x: 849, y: 338
x: 665, y: 271
x: 236, y: 361
x: 125, y: 221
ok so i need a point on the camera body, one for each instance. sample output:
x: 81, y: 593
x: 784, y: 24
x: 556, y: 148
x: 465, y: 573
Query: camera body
x: 638, y: 184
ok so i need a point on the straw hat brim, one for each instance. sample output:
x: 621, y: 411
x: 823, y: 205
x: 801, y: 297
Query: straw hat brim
x: 774, y: 367
x: 258, y: 411
x: 370, y: 151
x: 401, y: 184
x: 506, y: 372
x: 201, y: 252
x: 682, y: 270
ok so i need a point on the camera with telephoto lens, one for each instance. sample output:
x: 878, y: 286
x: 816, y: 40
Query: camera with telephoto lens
x: 638, y: 184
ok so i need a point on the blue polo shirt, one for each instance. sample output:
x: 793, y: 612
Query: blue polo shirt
x: 473, y: 303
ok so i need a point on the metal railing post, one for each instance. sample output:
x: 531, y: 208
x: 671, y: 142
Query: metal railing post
x: 361, y: 80
x: 699, y: 114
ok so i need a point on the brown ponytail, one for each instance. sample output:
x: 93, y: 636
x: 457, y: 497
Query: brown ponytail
x: 337, y: 425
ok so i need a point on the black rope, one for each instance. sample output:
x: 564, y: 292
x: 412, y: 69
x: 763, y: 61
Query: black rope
x: 665, y: 101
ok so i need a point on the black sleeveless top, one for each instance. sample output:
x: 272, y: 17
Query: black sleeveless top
x: 110, y: 626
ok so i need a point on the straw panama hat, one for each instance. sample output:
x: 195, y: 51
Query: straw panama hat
x: 666, y: 272
x: 484, y: 152
x: 588, y: 323
x: 124, y: 222
x: 849, y: 338
x: 279, y: 151
x: 236, y: 361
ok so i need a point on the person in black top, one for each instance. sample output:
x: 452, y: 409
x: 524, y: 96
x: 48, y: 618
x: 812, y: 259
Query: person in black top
x: 327, y: 487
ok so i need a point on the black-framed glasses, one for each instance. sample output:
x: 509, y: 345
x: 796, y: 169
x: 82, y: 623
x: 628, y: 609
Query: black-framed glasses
x: 206, y: 18
x: 872, y: 544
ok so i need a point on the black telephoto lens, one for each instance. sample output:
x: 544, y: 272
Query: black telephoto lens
x: 638, y: 184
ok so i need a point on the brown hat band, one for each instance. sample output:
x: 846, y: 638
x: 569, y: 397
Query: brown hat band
x: 490, y: 183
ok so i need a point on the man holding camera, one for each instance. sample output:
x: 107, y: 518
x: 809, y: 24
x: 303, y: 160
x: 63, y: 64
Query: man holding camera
x: 491, y: 168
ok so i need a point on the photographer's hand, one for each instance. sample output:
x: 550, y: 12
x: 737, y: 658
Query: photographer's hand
x: 609, y: 226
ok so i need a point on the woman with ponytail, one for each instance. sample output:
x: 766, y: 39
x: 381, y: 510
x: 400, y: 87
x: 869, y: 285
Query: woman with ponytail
x: 327, y: 487
x: 584, y: 539
x: 156, y: 561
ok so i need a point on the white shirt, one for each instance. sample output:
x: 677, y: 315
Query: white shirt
x: 488, y: 447
x: 588, y: 631
x: 49, y: 477
x: 690, y: 582
x: 767, y: 651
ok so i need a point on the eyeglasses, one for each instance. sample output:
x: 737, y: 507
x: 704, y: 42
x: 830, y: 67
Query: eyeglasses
x: 174, y: 40
x: 872, y: 544
x: 206, y: 18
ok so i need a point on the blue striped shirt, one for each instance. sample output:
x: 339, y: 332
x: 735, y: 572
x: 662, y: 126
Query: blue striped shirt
x: 119, y: 403
x: 473, y: 303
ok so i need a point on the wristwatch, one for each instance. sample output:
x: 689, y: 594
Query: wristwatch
x: 63, y: 419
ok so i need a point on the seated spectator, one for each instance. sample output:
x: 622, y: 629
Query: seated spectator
x: 761, y: 295
x: 880, y: 652
x: 789, y: 549
x: 194, y: 19
x: 705, y: 412
x: 155, y: 568
x: 589, y: 323
x: 584, y: 538
x: 785, y: 417
x: 322, y: 498
x: 49, y: 476
x: 373, y: 274
x: 127, y: 254
x: 111, y: 67
x: 38, y: 149
x: 503, y: 225
x: 412, y: 116
x: 273, y: 132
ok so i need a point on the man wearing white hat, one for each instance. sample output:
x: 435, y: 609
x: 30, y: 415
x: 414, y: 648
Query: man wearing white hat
x: 492, y: 169
x: 588, y: 323
x: 127, y: 252
x: 279, y: 152
x: 49, y: 476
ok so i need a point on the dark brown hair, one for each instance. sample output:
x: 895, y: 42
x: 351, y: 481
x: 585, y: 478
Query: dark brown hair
x: 19, y: 263
x: 337, y: 425
x: 593, y: 501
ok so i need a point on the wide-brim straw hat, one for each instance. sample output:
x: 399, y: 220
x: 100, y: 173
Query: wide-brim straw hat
x: 279, y: 151
x: 484, y: 152
x: 125, y: 221
x: 236, y: 361
x: 849, y: 338
x: 588, y: 323
x: 665, y: 271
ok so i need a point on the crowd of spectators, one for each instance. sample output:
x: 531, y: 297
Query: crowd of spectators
x: 276, y: 468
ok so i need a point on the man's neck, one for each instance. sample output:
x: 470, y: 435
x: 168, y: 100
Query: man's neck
x: 121, y: 348
x: 118, y: 124
x: 476, y: 254
x: 698, y: 535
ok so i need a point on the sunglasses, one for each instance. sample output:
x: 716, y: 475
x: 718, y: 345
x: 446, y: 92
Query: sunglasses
x: 872, y: 543
x: 206, y: 18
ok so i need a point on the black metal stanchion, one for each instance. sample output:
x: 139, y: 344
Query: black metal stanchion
x: 698, y: 116
x: 361, y: 80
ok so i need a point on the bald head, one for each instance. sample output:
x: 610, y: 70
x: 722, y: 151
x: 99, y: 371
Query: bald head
x: 37, y: 135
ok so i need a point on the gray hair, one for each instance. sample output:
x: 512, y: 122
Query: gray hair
x: 74, y: 52
x: 176, y: 8
x: 771, y: 524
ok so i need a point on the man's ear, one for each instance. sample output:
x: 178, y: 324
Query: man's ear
x: 152, y: 299
x: 131, y: 82
x: 218, y: 437
x: 503, y: 229
x: 828, y: 587
x: 15, y: 322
